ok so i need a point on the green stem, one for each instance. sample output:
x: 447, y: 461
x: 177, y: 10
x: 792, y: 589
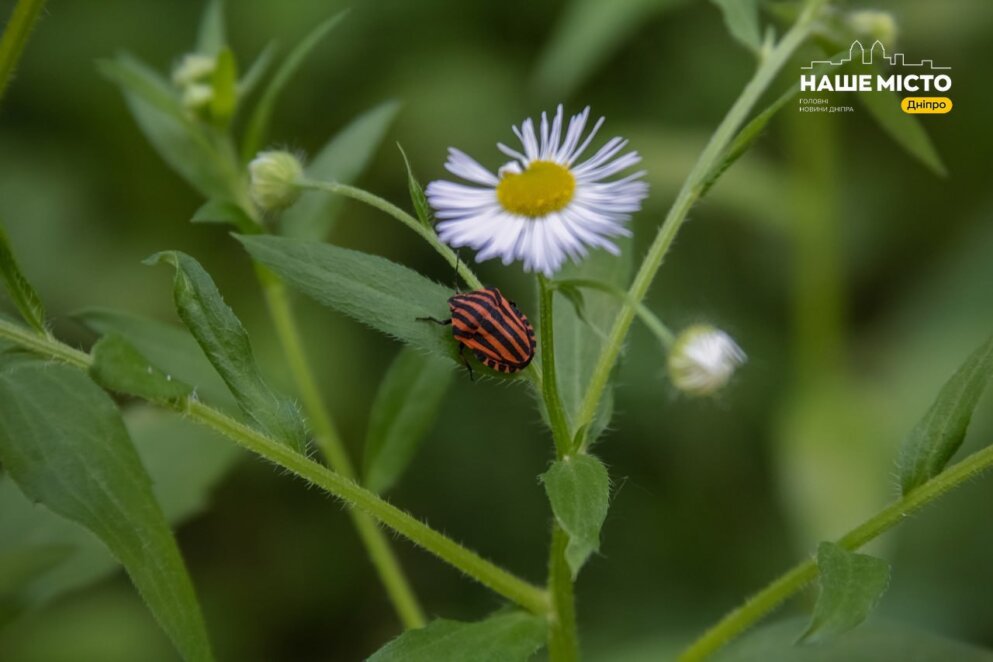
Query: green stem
x: 332, y: 446
x: 650, y: 319
x: 550, y: 383
x: 517, y: 590
x: 15, y: 38
x: 690, y: 192
x: 763, y: 602
x: 563, y: 640
x: 424, y: 231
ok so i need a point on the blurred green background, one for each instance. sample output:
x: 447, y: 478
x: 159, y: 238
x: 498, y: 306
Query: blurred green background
x: 855, y: 279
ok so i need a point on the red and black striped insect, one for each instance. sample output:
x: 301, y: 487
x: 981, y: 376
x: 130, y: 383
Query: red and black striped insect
x: 493, y: 327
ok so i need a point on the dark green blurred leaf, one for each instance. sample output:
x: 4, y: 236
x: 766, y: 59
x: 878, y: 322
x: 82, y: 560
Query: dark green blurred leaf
x: 851, y: 586
x: 219, y: 210
x: 225, y: 342
x: 371, y: 289
x: 505, y: 637
x: 578, y: 488
x: 64, y: 443
x: 906, y: 130
x: 258, y: 124
x: 342, y: 160
x: 159, y: 114
x: 937, y: 436
x: 417, y: 197
x: 224, y: 80
x: 580, y: 332
x: 119, y: 367
x: 256, y: 71
x: 405, y: 408
x: 21, y: 293
x: 742, y: 20
x: 211, y: 35
x: 872, y: 643
x: 20, y: 566
x: 586, y: 35
x: 163, y: 344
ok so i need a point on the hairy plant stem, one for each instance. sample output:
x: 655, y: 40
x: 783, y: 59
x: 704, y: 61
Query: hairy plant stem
x: 528, y: 596
x: 333, y: 448
x: 648, y: 318
x: 690, y: 192
x: 563, y: 640
x: 763, y: 602
x: 15, y: 38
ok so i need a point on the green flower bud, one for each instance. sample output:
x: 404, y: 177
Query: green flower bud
x: 874, y: 24
x: 274, y: 177
x: 702, y: 360
x: 193, y: 68
x: 197, y: 96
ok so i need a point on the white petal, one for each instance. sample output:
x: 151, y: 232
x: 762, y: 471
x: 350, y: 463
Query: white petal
x: 462, y: 165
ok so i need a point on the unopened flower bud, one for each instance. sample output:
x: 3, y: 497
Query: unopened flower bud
x: 193, y: 68
x: 874, y: 24
x: 197, y: 96
x: 702, y: 360
x: 274, y: 177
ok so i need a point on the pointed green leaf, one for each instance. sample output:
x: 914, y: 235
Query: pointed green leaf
x: 225, y: 342
x: 587, y: 34
x: 343, y: 159
x: 417, y: 197
x: 118, y: 366
x: 256, y: 71
x: 405, y: 408
x: 64, y: 443
x: 578, y: 488
x: 258, y: 124
x: 224, y: 80
x: 219, y: 210
x: 211, y: 35
x: 21, y: 293
x: 851, y: 586
x: 742, y: 20
x: 937, y: 436
x: 156, y: 109
x: 163, y: 344
x: 504, y: 637
x: 382, y: 294
x: 904, y: 129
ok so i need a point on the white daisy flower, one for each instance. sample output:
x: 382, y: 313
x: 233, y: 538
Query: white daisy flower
x: 702, y: 360
x: 541, y: 207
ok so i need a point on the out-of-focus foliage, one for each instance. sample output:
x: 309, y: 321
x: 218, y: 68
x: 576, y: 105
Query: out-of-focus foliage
x: 698, y: 518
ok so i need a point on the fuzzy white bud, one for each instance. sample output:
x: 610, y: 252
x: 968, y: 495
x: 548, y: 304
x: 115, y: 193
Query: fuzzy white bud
x: 874, y: 24
x: 193, y: 68
x: 702, y: 360
x: 197, y: 96
x: 274, y: 177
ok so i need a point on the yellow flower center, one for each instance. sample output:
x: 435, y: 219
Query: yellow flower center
x: 541, y: 189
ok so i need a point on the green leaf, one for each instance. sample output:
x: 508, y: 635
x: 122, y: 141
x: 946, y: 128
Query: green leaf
x: 742, y: 20
x: 851, y: 586
x: 19, y: 567
x: 220, y: 210
x: 579, y: 490
x: 21, y: 293
x: 504, y: 637
x: 184, y: 461
x: 119, y: 367
x: 256, y: 71
x: 874, y: 642
x: 580, y: 332
x: 343, y: 159
x: 224, y: 80
x: 163, y: 344
x: 405, y: 408
x: 225, y: 342
x: 258, y: 124
x: 63, y: 442
x: 904, y: 129
x: 417, y: 197
x: 381, y: 294
x: 211, y: 35
x: 586, y: 35
x: 178, y: 140
x: 937, y: 436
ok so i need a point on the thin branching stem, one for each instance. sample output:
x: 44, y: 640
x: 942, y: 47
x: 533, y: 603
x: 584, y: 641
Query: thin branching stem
x: 519, y: 591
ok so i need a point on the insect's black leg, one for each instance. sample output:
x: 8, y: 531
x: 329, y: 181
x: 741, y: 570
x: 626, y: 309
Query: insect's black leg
x: 435, y: 320
x: 466, y: 362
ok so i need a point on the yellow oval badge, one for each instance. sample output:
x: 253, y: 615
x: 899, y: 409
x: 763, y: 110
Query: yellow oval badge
x: 926, y: 105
